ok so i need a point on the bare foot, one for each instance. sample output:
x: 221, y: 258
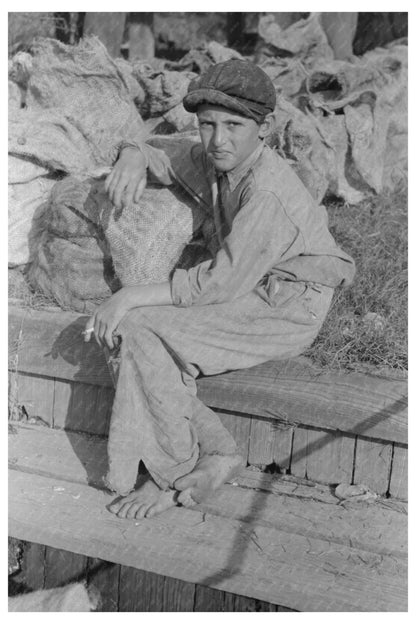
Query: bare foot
x: 208, y: 475
x: 145, y: 502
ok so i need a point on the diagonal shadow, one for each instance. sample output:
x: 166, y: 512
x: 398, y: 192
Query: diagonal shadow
x: 90, y: 365
x: 242, y: 540
x: 70, y: 346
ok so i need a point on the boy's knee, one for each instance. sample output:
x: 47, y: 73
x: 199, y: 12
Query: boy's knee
x: 135, y: 322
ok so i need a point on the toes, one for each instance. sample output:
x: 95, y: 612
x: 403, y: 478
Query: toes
x: 185, y: 482
x: 122, y: 512
x: 132, y: 510
x: 166, y: 501
x: 185, y: 498
x: 115, y: 507
x: 141, y: 512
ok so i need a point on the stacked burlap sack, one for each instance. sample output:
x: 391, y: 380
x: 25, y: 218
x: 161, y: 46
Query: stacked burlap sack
x: 342, y: 125
x: 77, y: 247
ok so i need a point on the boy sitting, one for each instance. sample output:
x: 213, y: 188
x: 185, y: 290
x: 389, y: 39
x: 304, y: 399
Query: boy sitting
x: 263, y: 294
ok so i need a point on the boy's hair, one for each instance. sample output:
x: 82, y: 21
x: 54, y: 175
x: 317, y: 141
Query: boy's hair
x: 237, y: 85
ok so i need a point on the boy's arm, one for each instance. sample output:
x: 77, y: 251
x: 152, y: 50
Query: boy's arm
x: 261, y: 235
x: 164, y: 163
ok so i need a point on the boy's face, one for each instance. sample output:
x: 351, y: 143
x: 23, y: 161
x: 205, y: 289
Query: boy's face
x: 227, y: 137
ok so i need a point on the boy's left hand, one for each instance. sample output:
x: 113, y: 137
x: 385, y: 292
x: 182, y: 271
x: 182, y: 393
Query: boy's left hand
x: 106, y: 318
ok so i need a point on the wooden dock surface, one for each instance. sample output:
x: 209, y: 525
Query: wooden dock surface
x: 279, y: 542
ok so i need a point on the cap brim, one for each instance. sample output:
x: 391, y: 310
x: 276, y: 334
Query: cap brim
x: 193, y: 100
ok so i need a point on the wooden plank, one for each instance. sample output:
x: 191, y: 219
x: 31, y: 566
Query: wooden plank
x: 292, y: 391
x: 63, y: 567
x: 36, y: 395
x: 260, y: 452
x: 177, y: 595
x: 373, y: 465
x: 51, y: 343
x: 103, y: 408
x: 239, y: 426
x: 240, y: 603
x: 208, y: 599
x: 32, y: 575
x: 329, y: 457
x: 82, y: 412
x: 354, y: 403
x: 399, y: 474
x: 71, y: 457
x: 299, y: 452
x: 282, y: 448
x: 13, y: 405
x: 62, y: 403
x: 67, y: 455
x: 104, y: 577
x: 302, y: 572
x: 140, y: 590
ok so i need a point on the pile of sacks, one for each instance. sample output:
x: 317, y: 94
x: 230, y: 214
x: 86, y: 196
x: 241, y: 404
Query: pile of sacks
x: 342, y: 125
x: 62, y: 144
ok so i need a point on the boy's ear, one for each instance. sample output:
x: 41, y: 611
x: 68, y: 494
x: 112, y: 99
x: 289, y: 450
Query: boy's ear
x: 267, y: 126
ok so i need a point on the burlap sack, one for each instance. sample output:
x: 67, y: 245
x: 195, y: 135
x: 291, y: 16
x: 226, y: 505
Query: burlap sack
x: 79, y: 108
x: 71, y: 262
x: 83, y: 249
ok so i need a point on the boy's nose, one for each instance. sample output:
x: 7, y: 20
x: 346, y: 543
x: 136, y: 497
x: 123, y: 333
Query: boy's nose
x: 219, y: 137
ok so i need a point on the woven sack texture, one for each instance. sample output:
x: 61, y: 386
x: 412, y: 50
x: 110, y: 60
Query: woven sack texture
x: 70, y: 257
x: 82, y: 250
x: 146, y: 240
x: 78, y: 108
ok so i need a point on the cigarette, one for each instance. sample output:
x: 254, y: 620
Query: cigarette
x: 88, y: 331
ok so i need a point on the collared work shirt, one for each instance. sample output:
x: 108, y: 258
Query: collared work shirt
x: 265, y: 227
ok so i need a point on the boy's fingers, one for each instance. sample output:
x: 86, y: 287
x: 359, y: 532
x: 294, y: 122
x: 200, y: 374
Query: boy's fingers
x: 139, y: 190
x: 108, y: 339
x: 89, y: 329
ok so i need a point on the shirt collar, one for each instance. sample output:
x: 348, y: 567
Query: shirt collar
x: 237, y: 174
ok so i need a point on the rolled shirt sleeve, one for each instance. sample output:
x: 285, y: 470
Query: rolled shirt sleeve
x: 261, y: 235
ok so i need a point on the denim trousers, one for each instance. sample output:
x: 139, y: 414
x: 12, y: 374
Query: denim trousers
x: 157, y: 417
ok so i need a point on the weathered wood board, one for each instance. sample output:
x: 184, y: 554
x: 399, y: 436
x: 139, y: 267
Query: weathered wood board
x: 51, y: 344
x: 373, y: 464
x: 399, y: 474
x: 250, y: 542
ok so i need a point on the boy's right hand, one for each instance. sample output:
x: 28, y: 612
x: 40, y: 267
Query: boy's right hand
x: 127, y: 180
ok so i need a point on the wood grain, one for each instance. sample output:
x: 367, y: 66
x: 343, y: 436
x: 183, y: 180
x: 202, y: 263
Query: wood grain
x: 293, y: 391
x: 261, y: 447
x: 239, y: 425
x: 296, y: 573
x: 329, y: 457
x: 399, y: 473
x: 32, y: 572
x: 282, y: 447
x: 140, y: 590
x: 208, y: 599
x: 373, y: 465
x: 105, y: 578
x: 63, y: 567
x: 62, y: 402
x: 177, y: 595
x: 36, y: 395
x: 103, y: 407
x: 299, y: 452
x: 82, y: 413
